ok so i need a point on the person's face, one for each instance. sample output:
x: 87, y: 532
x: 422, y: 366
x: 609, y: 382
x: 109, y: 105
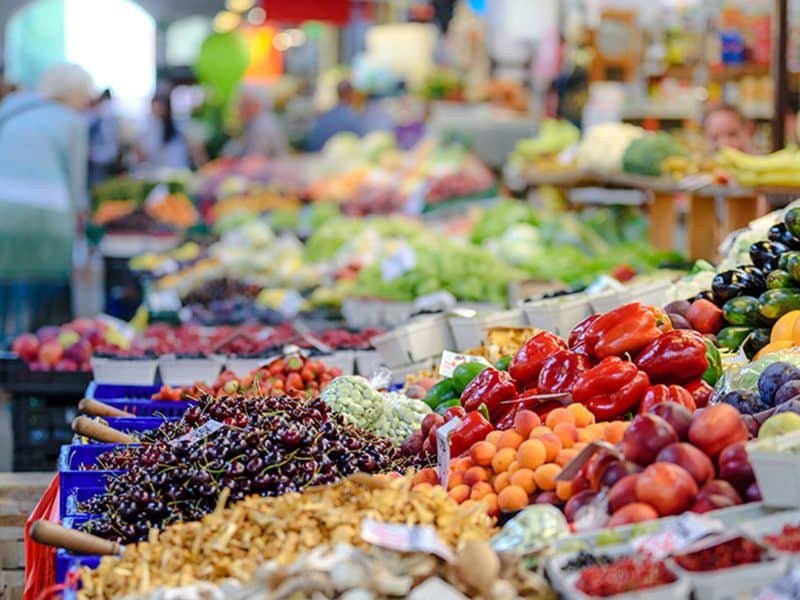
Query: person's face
x: 726, y: 130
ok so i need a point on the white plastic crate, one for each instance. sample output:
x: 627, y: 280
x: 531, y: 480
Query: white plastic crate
x: 124, y: 372
x: 602, y: 302
x: 362, y: 313
x: 776, y: 469
x: 367, y: 361
x: 400, y: 373
x: 186, y: 371
x: 772, y: 524
x: 559, y: 314
x: 344, y: 360
x: 243, y: 366
x: 393, y: 347
x: 429, y: 336
x: 736, y: 582
x: 468, y: 332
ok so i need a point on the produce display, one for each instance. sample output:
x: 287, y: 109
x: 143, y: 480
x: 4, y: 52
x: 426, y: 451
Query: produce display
x: 776, y: 169
x: 622, y: 576
x: 734, y: 553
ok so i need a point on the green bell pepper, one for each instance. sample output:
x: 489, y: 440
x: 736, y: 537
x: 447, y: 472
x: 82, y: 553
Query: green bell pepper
x: 714, y: 370
x: 441, y: 392
x: 464, y: 373
x: 447, y: 404
x: 502, y: 363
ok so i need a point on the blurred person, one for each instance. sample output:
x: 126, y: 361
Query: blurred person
x: 103, y: 139
x: 342, y: 117
x: 44, y: 154
x: 161, y: 144
x: 726, y: 127
x: 262, y: 132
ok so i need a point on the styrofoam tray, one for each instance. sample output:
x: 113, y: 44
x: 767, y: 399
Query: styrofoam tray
x: 559, y: 314
x: 736, y: 582
x: 776, y: 469
x: 758, y: 528
x: 399, y: 373
x: 565, y: 583
x: 468, y: 332
x: 124, y: 372
x: 429, y: 336
x: 187, y: 371
x: 393, y: 347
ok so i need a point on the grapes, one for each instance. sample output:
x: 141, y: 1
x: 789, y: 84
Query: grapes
x: 277, y: 445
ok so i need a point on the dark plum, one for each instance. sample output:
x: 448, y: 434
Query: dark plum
x: 773, y: 377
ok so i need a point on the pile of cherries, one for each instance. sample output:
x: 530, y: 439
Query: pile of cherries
x: 267, y: 446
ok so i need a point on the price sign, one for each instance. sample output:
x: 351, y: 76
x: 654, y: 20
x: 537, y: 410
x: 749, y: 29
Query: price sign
x: 443, y: 449
x: 404, y: 538
x: 450, y: 360
x: 684, y: 532
x: 198, y: 434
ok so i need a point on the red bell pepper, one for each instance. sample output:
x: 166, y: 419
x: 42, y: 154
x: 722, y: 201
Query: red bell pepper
x: 625, y: 330
x: 656, y: 394
x: 611, y: 389
x: 701, y: 391
x: 454, y: 412
x: 577, y: 337
x: 490, y: 387
x: 473, y: 428
x: 527, y: 362
x: 675, y: 357
x: 560, y: 372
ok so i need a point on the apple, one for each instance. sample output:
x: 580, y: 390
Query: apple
x: 711, y: 502
x: 668, y: 488
x: 412, y: 445
x: 597, y: 467
x: 645, y: 437
x: 579, y: 483
x: 690, y: 458
x: 82, y: 325
x: 716, y: 427
x: 735, y: 468
x: 753, y: 493
x: 429, y: 421
x: 577, y: 502
x: 548, y: 498
x: 617, y: 470
x: 96, y: 337
x: 26, y: 346
x: 47, y: 333
x: 718, y: 487
x: 623, y: 492
x: 79, y: 352
x: 50, y: 352
x: 635, y: 512
x: 676, y: 415
x: 65, y: 364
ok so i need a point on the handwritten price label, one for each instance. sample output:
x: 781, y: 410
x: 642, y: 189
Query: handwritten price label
x: 404, y: 538
x: 202, y: 432
x: 450, y: 360
x: 443, y: 449
x: 683, y: 533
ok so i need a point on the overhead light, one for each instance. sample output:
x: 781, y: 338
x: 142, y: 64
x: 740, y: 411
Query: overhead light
x: 297, y: 37
x: 226, y: 21
x: 282, y: 42
x: 257, y: 16
x: 239, y: 6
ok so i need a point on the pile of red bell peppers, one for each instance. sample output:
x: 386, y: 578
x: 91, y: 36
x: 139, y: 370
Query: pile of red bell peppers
x: 617, y: 363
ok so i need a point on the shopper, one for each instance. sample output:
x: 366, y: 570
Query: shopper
x: 262, y: 132
x: 161, y: 143
x: 726, y: 127
x: 103, y: 139
x: 342, y: 117
x: 43, y: 196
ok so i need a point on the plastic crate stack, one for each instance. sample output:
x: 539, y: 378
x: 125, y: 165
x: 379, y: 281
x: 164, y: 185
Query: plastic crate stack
x: 79, y: 477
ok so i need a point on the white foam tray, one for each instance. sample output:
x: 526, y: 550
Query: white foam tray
x: 421, y: 339
x: 559, y: 314
x: 344, y: 360
x: 758, y: 528
x: 776, y: 470
x: 736, y: 582
x: 469, y: 332
x: 124, y: 372
x: 187, y: 371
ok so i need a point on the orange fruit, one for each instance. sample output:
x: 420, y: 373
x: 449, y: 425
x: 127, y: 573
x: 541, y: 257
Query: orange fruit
x: 428, y: 475
x: 475, y: 475
x: 559, y: 415
x: 509, y: 439
x: 481, y: 489
x: 614, y: 431
x: 583, y: 416
x: 531, y: 454
x: 567, y: 433
x: 524, y: 479
x: 494, y: 436
x: 564, y: 490
x: 512, y: 498
x: 492, y: 507
x: 540, y: 430
x: 456, y: 478
x: 545, y: 476
x: 460, y: 493
x: 481, y: 453
x: 564, y: 457
x: 502, y: 459
x: 501, y: 481
x: 525, y: 421
x: 552, y: 444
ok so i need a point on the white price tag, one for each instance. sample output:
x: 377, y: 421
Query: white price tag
x: 398, y: 263
x: 198, y: 434
x: 404, y: 538
x: 685, y: 531
x: 441, y: 301
x: 121, y: 326
x: 164, y: 300
x: 450, y: 360
x: 443, y: 449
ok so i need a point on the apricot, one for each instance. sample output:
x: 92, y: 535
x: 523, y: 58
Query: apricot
x: 559, y: 415
x: 583, y: 416
x: 524, y: 479
x: 567, y: 433
x: 539, y: 431
x: 545, y: 476
x: 428, y: 475
x: 525, y: 421
x: 615, y: 430
x: 552, y: 445
x: 513, y: 467
x: 475, y: 475
x: 500, y: 481
x: 494, y: 436
x: 531, y: 454
x: 509, y: 439
x: 481, y: 453
x: 564, y: 457
x: 502, y: 459
x: 564, y: 490
x: 460, y: 493
x: 461, y: 464
x: 456, y: 478
x: 512, y: 498
x: 492, y: 506
x: 481, y: 489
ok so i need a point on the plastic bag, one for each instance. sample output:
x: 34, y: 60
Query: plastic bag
x: 40, y: 564
x: 744, y: 376
x: 531, y: 530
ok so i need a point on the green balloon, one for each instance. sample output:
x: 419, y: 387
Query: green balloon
x: 222, y: 62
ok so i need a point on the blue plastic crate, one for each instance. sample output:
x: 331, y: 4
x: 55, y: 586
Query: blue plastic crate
x: 66, y: 561
x: 77, y: 495
x: 150, y: 408
x: 72, y: 477
x: 107, y: 391
x: 132, y: 425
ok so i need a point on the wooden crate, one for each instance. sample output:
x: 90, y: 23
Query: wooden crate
x: 12, y: 584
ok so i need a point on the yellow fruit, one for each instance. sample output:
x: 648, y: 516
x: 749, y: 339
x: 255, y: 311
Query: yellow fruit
x: 786, y: 328
x: 773, y: 347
